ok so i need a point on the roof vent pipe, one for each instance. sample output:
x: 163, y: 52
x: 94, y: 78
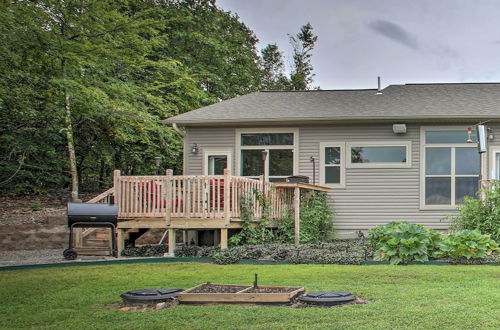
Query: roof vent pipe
x: 379, y: 90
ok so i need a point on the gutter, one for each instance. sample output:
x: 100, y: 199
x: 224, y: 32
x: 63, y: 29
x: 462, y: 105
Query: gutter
x: 339, y: 119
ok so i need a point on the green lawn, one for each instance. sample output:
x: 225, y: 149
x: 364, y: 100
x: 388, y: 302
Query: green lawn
x: 426, y: 297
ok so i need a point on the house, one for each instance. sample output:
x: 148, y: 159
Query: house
x: 399, y: 153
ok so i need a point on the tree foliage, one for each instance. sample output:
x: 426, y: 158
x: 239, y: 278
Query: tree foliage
x: 301, y: 75
x: 98, y: 76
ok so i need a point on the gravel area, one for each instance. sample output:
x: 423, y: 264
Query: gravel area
x: 48, y: 256
x: 29, y: 257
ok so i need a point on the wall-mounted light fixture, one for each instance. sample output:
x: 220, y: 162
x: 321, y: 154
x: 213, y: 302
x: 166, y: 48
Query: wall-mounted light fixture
x: 491, y: 136
x: 469, y: 135
x: 313, y: 160
x: 399, y: 128
x: 194, y: 148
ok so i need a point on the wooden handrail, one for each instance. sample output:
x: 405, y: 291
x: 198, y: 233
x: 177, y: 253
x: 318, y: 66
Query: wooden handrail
x: 192, y: 196
x: 104, y: 197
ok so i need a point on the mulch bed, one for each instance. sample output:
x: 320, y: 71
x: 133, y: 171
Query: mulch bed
x: 218, y: 288
x: 270, y: 290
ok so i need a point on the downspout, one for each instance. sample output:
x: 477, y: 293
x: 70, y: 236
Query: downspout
x: 176, y: 128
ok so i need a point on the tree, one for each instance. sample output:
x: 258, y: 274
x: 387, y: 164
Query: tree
x: 85, y: 84
x: 217, y: 48
x: 273, y: 69
x: 303, y: 44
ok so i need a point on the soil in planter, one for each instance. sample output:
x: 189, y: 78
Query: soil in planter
x: 217, y: 288
x: 270, y: 290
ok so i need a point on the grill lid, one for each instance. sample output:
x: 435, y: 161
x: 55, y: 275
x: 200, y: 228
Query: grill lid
x: 92, y: 212
x: 327, y: 297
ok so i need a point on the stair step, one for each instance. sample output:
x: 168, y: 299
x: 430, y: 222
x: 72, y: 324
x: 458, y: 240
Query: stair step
x: 102, y: 235
x: 133, y: 230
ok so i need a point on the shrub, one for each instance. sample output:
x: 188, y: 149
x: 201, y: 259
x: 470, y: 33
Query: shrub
x: 145, y: 251
x: 187, y: 251
x: 226, y: 257
x: 403, y: 242
x: 315, y: 221
x: 249, y: 233
x: 482, y: 214
x: 196, y: 251
x: 469, y: 244
x: 35, y: 205
x: 348, y: 252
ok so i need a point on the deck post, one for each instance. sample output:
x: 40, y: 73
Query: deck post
x: 171, y: 243
x: 120, y: 241
x: 116, y: 186
x: 223, y: 238
x: 296, y: 206
x: 227, y: 196
x: 168, y: 184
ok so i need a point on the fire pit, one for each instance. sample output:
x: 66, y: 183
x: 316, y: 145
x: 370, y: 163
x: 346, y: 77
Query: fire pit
x: 327, y: 298
x: 149, y: 296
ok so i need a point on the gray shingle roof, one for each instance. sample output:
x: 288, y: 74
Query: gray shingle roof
x: 410, y: 101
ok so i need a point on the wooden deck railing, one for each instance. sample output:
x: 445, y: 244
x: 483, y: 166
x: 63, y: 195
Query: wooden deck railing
x: 189, y: 197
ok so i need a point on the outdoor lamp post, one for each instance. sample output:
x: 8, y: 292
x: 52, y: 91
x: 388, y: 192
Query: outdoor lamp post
x: 157, y: 162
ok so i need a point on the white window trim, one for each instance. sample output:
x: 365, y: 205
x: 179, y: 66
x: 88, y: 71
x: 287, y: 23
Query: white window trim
x: 406, y: 144
x: 294, y: 147
x: 207, y: 152
x: 423, y: 129
x: 492, y: 169
x: 322, y: 146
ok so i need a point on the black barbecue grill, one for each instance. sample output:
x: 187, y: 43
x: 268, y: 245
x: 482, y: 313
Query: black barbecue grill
x: 91, y: 215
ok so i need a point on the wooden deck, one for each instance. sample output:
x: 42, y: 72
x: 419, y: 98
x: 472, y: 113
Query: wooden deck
x: 197, y: 202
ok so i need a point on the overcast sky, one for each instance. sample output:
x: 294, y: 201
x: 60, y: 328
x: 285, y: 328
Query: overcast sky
x: 400, y: 40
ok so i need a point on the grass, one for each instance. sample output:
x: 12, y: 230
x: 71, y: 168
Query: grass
x: 416, y: 297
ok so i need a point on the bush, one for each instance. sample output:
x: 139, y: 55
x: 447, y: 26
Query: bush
x: 145, y: 251
x: 250, y: 234
x: 227, y: 257
x: 315, y: 221
x: 346, y: 252
x: 468, y: 244
x: 483, y: 215
x: 403, y: 242
x: 35, y: 205
x: 196, y: 251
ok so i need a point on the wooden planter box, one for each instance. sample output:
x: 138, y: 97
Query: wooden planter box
x: 246, y: 294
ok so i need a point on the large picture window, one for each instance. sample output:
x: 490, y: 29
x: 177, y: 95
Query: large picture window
x: 379, y: 154
x: 332, y: 164
x: 451, y: 167
x: 268, y: 152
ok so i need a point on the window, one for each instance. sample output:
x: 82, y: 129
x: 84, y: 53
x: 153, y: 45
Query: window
x: 332, y: 164
x: 494, y: 156
x: 379, y: 154
x: 450, y: 167
x: 216, y: 160
x: 269, y: 152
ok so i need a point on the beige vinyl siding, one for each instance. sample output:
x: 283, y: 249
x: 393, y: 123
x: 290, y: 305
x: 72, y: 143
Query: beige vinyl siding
x: 372, y: 196
x: 211, y: 138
